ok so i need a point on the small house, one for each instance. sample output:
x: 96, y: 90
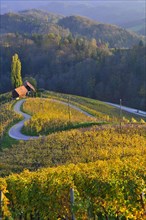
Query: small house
x: 19, y: 92
x: 23, y: 91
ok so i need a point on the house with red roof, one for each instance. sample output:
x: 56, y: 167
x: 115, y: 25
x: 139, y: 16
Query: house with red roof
x: 23, y: 91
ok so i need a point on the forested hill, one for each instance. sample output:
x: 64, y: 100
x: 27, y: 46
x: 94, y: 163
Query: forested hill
x: 115, y: 36
x: 63, y: 62
x: 39, y: 22
x: 30, y: 22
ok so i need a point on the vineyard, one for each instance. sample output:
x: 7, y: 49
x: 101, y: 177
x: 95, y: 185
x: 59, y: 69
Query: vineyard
x: 103, y: 165
x: 7, y: 116
x: 110, y: 189
x: 94, y: 107
x: 50, y: 116
x: 75, y: 146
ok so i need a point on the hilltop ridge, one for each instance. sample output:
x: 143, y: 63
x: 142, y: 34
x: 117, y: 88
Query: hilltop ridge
x: 114, y: 35
x: 41, y: 22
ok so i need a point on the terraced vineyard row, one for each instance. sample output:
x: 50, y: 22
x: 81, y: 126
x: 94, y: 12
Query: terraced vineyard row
x: 110, y: 189
x: 75, y: 146
x: 49, y: 116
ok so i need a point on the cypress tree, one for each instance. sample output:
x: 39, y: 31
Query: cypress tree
x: 16, y: 71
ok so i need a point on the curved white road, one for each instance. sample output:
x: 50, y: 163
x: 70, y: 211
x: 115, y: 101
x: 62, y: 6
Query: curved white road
x: 15, y: 131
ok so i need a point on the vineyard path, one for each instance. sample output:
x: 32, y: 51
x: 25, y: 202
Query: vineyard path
x: 15, y: 130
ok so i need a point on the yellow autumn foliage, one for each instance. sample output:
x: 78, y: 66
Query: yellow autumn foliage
x: 48, y: 114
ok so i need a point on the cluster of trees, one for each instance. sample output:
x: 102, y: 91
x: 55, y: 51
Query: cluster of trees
x: 70, y: 61
x: 79, y: 66
x: 114, y: 35
x: 35, y: 21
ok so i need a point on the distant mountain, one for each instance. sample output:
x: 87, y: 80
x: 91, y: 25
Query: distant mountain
x: 112, y: 34
x: 40, y: 22
x: 29, y: 22
x: 113, y: 12
x: 138, y: 26
x: 7, y: 6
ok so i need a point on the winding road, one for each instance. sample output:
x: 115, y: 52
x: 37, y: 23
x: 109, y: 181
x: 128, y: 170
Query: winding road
x: 15, y: 131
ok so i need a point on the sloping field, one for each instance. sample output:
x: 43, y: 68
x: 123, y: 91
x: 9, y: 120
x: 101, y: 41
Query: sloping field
x: 92, y: 172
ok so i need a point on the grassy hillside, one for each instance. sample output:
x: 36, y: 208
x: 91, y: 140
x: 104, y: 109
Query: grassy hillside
x: 49, y: 116
x: 94, y: 107
x: 105, y: 165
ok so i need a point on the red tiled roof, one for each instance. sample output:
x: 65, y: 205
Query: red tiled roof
x: 22, y: 91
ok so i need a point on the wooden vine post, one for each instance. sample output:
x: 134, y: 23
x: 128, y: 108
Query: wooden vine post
x: 72, y: 203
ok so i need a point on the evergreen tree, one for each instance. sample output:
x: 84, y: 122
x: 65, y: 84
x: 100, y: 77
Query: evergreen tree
x: 16, y: 71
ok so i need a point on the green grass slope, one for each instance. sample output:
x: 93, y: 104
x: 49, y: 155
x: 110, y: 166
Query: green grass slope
x: 95, y: 107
